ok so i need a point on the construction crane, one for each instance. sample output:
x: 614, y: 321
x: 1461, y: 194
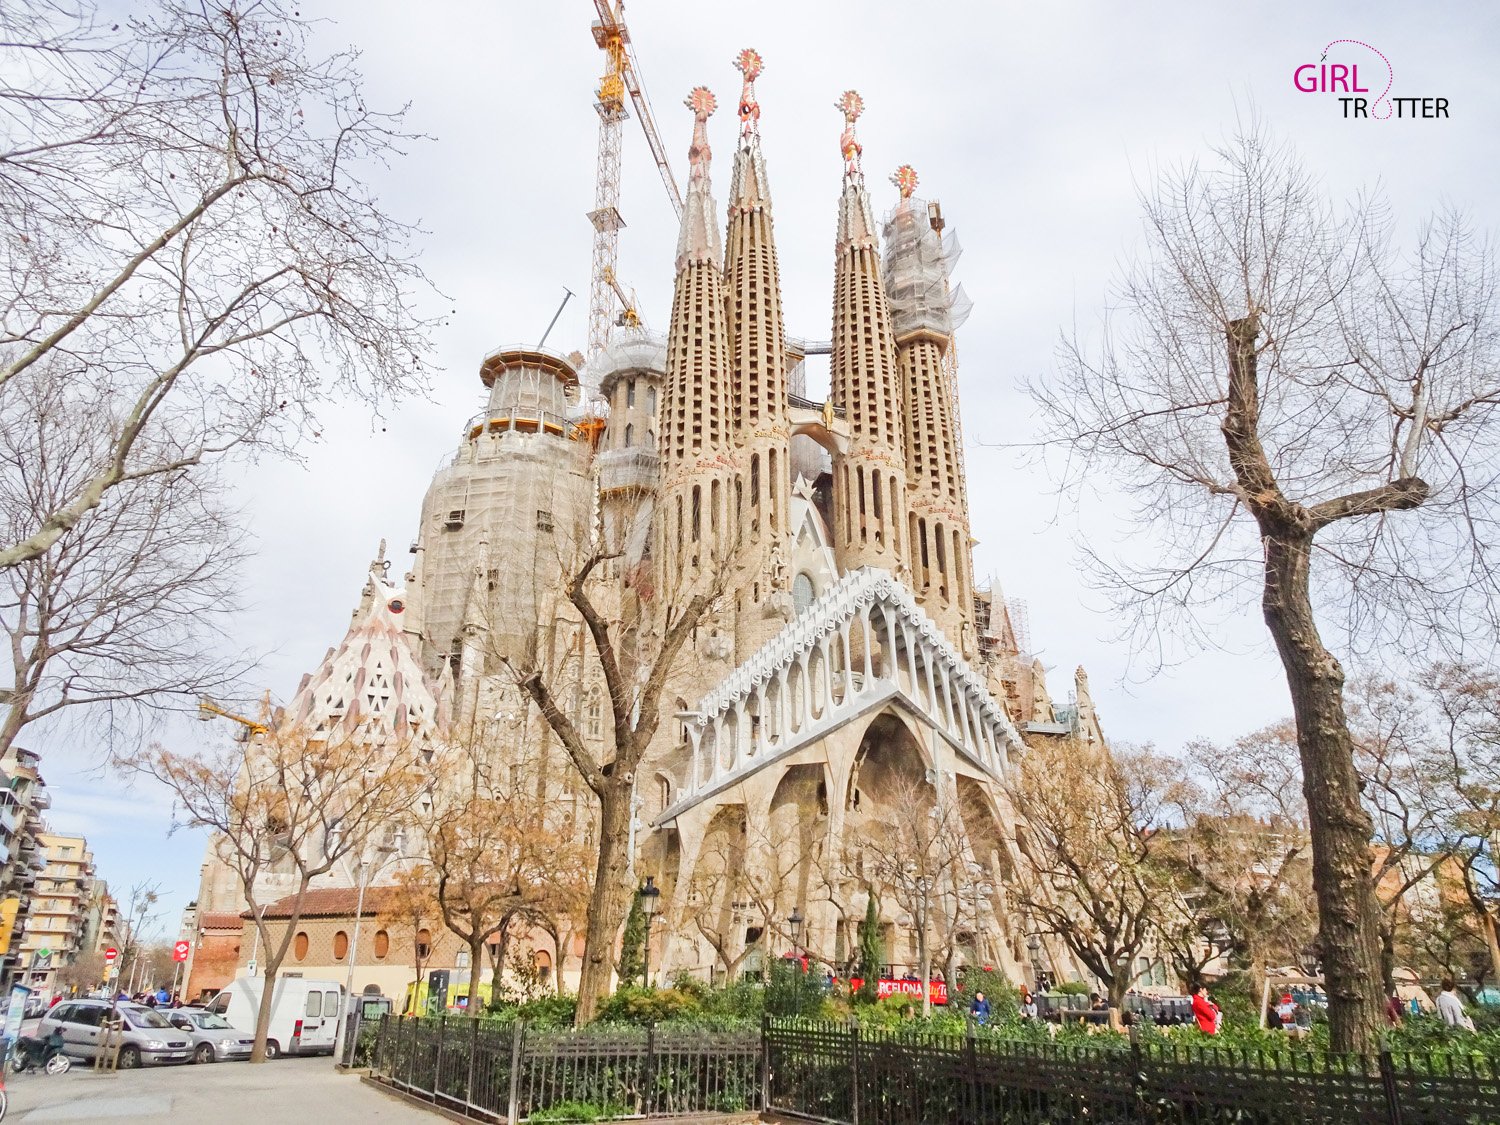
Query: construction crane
x: 622, y: 77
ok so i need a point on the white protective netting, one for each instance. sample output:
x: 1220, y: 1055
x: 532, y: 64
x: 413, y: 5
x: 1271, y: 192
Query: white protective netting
x: 918, y: 264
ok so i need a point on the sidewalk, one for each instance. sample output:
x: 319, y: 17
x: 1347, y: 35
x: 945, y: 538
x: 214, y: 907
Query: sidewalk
x: 217, y: 1094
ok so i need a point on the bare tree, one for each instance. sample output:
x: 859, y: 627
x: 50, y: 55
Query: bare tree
x: 494, y: 849
x: 127, y: 608
x: 915, y: 852
x: 1279, y: 384
x: 188, y: 235
x: 635, y: 660
x: 1089, y: 831
x: 136, y: 922
x: 292, y: 803
x: 411, y: 904
x: 1241, y: 862
x: 1462, y: 778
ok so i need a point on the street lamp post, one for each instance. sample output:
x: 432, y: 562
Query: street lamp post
x: 341, y: 1034
x: 1034, y: 949
x: 650, y: 903
x: 794, y: 923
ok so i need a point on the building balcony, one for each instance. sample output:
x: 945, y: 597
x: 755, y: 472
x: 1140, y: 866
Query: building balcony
x: 41, y: 799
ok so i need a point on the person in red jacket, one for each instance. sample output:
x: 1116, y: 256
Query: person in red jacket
x: 1205, y: 1011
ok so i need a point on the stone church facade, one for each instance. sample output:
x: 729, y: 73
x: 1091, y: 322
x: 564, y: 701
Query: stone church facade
x: 849, y: 662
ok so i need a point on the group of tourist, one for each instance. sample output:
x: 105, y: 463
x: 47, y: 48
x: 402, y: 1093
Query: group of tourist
x: 1286, y: 1014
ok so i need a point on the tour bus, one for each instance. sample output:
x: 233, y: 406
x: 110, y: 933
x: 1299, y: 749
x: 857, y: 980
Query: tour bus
x: 304, y: 1013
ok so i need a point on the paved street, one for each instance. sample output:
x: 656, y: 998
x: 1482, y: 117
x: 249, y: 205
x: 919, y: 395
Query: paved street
x: 221, y: 1094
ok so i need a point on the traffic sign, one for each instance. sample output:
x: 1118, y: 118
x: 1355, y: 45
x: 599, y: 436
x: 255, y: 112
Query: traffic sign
x: 180, y: 951
x: 110, y: 954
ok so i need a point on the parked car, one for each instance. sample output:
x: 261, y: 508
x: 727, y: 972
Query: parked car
x: 214, y: 1038
x: 148, y: 1037
x: 304, y: 1013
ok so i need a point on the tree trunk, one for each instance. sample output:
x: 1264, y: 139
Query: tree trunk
x: 609, y: 900
x: 1491, y: 939
x: 924, y: 955
x: 476, y: 970
x: 275, y: 955
x: 1348, y: 913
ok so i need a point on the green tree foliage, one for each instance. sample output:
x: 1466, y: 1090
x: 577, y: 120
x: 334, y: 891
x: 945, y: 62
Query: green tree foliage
x: 632, y: 966
x: 870, y: 950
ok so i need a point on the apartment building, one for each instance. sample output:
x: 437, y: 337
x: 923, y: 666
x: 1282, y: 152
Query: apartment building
x: 23, y: 800
x: 59, y: 908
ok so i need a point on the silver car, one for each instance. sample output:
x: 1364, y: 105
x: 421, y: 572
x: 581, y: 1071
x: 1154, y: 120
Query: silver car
x: 147, y: 1038
x: 214, y: 1038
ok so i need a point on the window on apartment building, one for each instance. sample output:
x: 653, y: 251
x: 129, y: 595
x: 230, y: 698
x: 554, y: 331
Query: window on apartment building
x: 543, y: 520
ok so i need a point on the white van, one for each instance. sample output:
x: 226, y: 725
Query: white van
x: 304, y: 1013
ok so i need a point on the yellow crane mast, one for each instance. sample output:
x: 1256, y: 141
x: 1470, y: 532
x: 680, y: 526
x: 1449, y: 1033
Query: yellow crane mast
x: 621, y: 79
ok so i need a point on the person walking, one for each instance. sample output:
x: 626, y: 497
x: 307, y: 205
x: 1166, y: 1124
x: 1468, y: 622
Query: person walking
x: 1205, y: 1011
x: 980, y: 1009
x: 1451, y: 1008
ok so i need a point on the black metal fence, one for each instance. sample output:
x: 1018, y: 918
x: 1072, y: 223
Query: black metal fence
x: 835, y: 1073
x: 512, y: 1072
x: 849, y: 1075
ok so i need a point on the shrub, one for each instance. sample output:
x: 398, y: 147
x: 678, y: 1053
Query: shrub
x: 793, y: 991
x: 578, y: 1111
x: 549, y: 1011
x: 1071, y: 988
x: 645, y: 1006
x: 1002, y: 995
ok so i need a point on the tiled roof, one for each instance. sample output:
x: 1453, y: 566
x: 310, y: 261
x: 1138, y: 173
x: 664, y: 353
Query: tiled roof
x: 328, y: 902
x: 219, y: 920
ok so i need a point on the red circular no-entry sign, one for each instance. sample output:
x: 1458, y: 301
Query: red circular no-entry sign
x: 110, y: 954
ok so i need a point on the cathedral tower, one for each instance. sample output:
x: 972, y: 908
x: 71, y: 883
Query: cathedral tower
x: 870, y: 482
x: 693, y: 528
x: 759, y: 363
x: 916, y: 279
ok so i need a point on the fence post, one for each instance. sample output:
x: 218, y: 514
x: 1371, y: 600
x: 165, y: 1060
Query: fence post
x: 437, y: 1064
x: 765, y: 1061
x: 411, y: 1054
x: 1137, y: 1069
x: 517, y: 1033
x: 854, y: 1070
x: 973, y: 1061
x: 648, y: 1093
x: 1392, y: 1091
x: 473, y: 1059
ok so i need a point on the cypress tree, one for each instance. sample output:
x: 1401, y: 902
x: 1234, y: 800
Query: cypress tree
x: 870, y: 949
x: 632, y: 966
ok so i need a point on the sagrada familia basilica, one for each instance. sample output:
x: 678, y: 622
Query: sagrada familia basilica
x: 849, y: 662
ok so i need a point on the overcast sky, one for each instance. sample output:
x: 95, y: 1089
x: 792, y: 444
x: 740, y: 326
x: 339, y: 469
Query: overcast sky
x: 1033, y: 124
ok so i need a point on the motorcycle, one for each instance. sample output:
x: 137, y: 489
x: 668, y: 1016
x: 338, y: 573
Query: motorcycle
x: 32, y: 1053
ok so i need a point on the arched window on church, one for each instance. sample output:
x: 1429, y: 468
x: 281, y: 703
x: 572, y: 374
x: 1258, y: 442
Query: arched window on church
x: 592, y: 713
x: 803, y: 593
x: 629, y: 435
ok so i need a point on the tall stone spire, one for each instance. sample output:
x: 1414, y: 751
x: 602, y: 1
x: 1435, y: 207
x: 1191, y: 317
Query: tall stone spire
x: 759, y: 362
x: 870, y: 482
x: 697, y: 460
x: 917, y: 264
x: 753, y: 277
